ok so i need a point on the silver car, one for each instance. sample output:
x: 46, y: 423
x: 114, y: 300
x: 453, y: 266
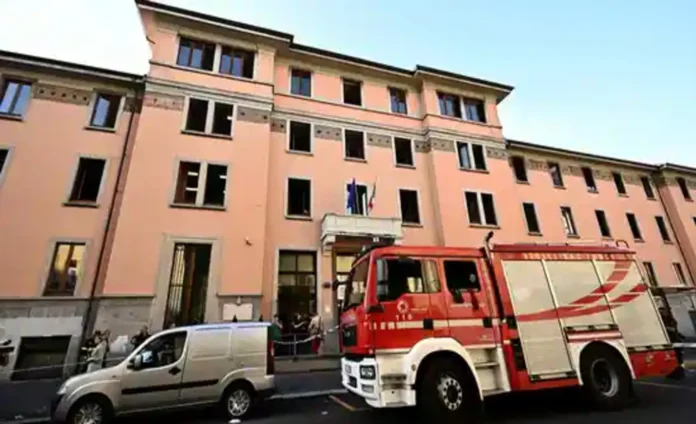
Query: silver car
x: 226, y: 364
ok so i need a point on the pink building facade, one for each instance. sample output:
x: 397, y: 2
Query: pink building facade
x: 257, y: 168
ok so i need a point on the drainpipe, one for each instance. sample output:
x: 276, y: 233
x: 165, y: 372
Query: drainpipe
x: 86, y: 321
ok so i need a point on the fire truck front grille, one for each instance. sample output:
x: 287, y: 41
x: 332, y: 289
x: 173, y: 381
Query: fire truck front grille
x: 349, y: 335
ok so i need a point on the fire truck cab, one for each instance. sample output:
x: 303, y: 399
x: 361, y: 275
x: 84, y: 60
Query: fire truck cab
x: 442, y: 328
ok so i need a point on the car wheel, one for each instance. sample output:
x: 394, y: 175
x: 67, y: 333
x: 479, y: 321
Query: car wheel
x: 606, y: 378
x: 89, y: 411
x: 237, y: 401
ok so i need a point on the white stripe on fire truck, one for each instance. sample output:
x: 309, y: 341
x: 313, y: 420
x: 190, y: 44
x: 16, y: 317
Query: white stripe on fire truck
x: 438, y: 323
x: 593, y: 336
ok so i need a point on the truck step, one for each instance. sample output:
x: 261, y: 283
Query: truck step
x: 492, y: 392
x: 491, y: 364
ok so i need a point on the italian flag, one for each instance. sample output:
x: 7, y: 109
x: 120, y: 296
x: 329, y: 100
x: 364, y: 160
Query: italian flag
x: 371, y: 202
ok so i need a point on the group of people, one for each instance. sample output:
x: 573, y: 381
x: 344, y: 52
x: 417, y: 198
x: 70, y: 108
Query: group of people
x: 96, y: 348
x: 297, y: 329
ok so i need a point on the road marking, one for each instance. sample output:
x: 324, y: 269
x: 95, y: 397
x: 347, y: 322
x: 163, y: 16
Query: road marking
x: 669, y: 386
x: 346, y: 405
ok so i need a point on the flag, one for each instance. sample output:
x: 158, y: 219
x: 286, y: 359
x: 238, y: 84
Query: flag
x: 352, y: 197
x: 371, y: 203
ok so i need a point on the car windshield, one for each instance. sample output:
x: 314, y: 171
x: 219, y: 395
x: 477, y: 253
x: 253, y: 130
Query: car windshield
x: 355, y: 285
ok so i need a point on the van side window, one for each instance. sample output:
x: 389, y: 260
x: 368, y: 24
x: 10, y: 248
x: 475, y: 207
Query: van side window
x: 403, y: 276
x: 461, y: 275
x: 163, y: 350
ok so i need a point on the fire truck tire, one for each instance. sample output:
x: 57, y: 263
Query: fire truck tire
x: 448, y: 393
x: 606, y: 378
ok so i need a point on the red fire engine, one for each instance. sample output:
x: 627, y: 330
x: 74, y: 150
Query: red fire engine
x: 443, y: 328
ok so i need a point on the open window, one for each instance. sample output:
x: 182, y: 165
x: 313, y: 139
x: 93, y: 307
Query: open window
x: 408, y: 200
x: 401, y: 276
x: 88, y: 180
x: 556, y: 175
x: 300, y: 137
x: 201, y: 184
x: 209, y: 117
x: 105, y: 111
x: 589, y: 179
x: 299, y: 202
x: 471, y: 156
x: 403, y: 150
x: 352, y: 92
x: 520, y: 169
x: 66, y: 269
x: 354, y: 144
x: 398, y: 100
x: 461, y: 276
x: 474, y: 109
x: 619, y: 182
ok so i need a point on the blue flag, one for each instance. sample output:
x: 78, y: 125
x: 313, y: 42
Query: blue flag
x: 352, y: 197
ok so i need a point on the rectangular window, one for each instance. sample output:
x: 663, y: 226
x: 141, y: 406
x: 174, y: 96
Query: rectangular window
x: 680, y: 273
x: 650, y: 273
x: 41, y: 358
x: 397, y: 97
x: 475, y: 110
x: 568, y: 221
x: 300, y: 137
x: 15, y: 97
x: 684, y: 188
x: 408, y: 200
x: 403, y: 149
x: 201, y: 118
x: 471, y: 156
x: 105, y: 111
x: 352, y: 92
x: 66, y: 269
x: 359, y: 204
x: 481, y: 208
x: 449, y: 105
x: 299, y: 197
x: 520, y: 169
x: 461, y: 276
x: 297, y: 283
x: 301, y: 82
x: 201, y: 184
x: 405, y: 276
x: 589, y: 179
x: 530, y: 217
x: 354, y: 144
x: 196, y: 54
x: 662, y: 227
x: 188, y: 286
x: 647, y: 187
x: 603, y: 224
x: 87, y: 180
x: 555, y: 172
x: 237, y: 62
x: 619, y: 182
x: 633, y: 224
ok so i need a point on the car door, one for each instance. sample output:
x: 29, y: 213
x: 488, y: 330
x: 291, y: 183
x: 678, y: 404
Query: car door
x: 153, y: 378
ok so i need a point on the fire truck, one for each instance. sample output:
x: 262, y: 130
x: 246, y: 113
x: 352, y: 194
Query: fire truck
x: 442, y: 328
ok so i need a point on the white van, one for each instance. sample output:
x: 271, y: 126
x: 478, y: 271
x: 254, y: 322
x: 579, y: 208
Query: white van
x: 230, y: 364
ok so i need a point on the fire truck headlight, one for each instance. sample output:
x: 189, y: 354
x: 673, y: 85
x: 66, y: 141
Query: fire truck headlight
x: 367, y: 372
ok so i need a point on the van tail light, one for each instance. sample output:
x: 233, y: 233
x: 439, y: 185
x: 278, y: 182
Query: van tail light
x: 270, y: 357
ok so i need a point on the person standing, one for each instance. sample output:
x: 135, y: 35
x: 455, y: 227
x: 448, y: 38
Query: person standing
x: 97, y: 355
x: 316, y: 331
x: 140, y: 338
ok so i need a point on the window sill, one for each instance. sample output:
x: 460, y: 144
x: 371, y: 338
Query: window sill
x: 522, y: 182
x: 354, y: 106
x: 401, y: 165
x: 355, y: 160
x: 593, y: 190
x: 11, y: 117
x: 412, y: 224
x: 299, y: 218
x: 535, y: 234
x: 335, y: 103
x: 638, y: 241
x: 689, y: 200
x: 667, y: 241
x: 299, y: 152
x: 211, y: 73
x: 204, y: 134
x: 623, y: 195
x: 573, y: 236
x: 101, y: 129
x: 59, y: 295
x: 559, y: 187
x: 474, y: 170
x: 200, y: 207
x: 78, y: 204
x: 653, y: 199
x: 485, y: 226
x: 454, y: 118
x: 607, y: 238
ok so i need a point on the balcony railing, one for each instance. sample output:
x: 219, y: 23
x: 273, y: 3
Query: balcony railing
x: 333, y: 225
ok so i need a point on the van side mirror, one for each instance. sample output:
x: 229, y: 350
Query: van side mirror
x: 382, y: 274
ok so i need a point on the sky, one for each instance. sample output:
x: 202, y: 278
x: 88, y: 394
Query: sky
x: 615, y: 78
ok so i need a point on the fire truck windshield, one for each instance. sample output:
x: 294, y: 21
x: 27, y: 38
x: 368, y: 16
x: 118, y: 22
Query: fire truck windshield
x: 355, y: 285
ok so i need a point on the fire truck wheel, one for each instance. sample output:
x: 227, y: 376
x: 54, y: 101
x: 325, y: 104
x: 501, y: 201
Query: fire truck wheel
x: 448, y: 393
x: 606, y: 378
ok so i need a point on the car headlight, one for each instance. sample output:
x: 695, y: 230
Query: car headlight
x: 367, y: 372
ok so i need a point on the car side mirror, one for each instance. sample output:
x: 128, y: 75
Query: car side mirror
x: 457, y: 296
x: 136, y: 362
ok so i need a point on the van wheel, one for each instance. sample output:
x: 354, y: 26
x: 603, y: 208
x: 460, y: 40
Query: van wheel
x: 447, y: 394
x: 606, y: 378
x: 237, y: 400
x: 91, y: 410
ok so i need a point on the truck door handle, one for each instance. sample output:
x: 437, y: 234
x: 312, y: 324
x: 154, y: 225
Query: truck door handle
x: 487, y: 322
x: 428, y: 324
x: 174, y: 370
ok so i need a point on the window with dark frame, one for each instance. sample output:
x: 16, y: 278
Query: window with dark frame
x: 450, y: 105
x: 301, y: 82
x: 480, y: 208
x: 680, y: 273
x: 633, y: 224
x: 530, y: 217
x: 297, y: 283
x: 87, y: 180
x: 15, y: 97
x: 215, y: 185
x: 222, y: 119
x: 408, y: 200
x: 105, y: 111
x: 604, y: 229
x: 187, y: 183
x: 300, y: 137
x: 197, y: 117
x: 474, y: 110
x: 619, y: 182
x: 461, y: 276
x: 397, y: 97
x: 191, y: 190
x: 650, y: 272
x: 568, y: 221
x: 299, y: 201
x: 684, y: 188
x: 471, y: 156
x: 354, y: 144
x: 520, y: 169
x: 589, y: 179
x: 352, y: 92
x: 662, y: 228
x: 403, y: 150
x: 405, y: 277
x: 196, y: 54
x: 647, y: 187
x: 237, y: 62
x: 66, y: 269
x: 556, y: 175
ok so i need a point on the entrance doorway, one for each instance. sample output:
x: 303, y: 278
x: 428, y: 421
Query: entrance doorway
x: 188, y: 285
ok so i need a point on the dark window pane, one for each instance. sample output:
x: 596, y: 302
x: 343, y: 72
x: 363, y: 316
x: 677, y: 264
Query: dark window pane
x: 299, y: 197
x: 403, y: 151
x: 354, y: 144
x: 359, y: 207
x: 650, y: 271
x: 555, y: 172
x: 237, y: 62
x: 633, y: 224
x: 568, y: 221
x: 405, y: 277
x: 472, y: 207
x: 3, y: 159
x: 531, y: 218
x: 450, y: 105
x: 222, y: 119
x: 409, y: 206
x: 618, y: 181
x: 352, y: 92
x: 197, y: 115
x: 461, y: 276
x: 301, y: 83
x: 684, y: 188
x: 300, y: 136
x: 87, y: 180
x: 479, y: 156
x: 187, y: 183
x: 603, y: 224
x: 520, y: 168
x: 398, y: 101
x: 662, y: 227
x: 215, y: 185
x: 489, y: 209
x: 589, y: 179
x: 647, y: 187
x: 196, y: 54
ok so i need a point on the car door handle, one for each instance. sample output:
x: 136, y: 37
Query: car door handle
x: 174, y: 370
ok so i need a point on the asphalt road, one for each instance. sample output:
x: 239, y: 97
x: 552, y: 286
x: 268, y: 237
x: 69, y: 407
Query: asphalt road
x: 656, y: 401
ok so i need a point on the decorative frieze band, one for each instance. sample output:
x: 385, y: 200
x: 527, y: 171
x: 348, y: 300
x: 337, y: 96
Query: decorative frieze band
x: 442, y: 145
x: 496, y: 153
x: 164, y: 101
x: 62, y: 94
x: 422, y: 146
x: 256, y: 116
x: 278, y: 125
x: 379, y: 140
x: 537, y: 165
x: 328, y: 133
